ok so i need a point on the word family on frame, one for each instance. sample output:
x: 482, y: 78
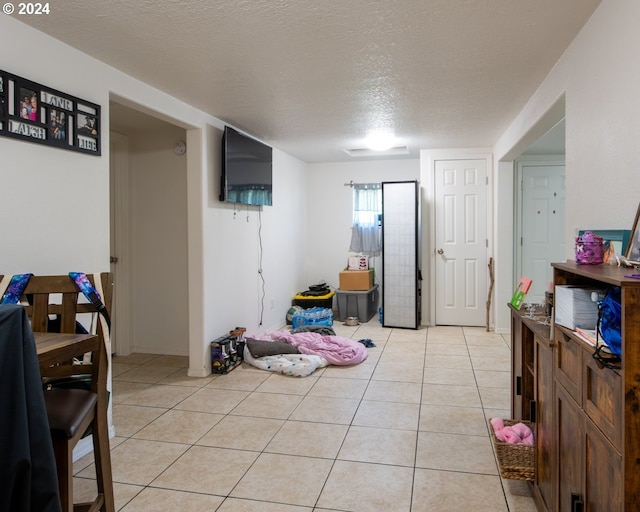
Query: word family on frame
x: 40, y: 114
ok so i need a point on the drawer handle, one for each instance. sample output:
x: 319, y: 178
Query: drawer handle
x: 532, y: 411
x: 577, y: 505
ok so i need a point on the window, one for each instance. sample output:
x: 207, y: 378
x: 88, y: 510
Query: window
x: 367, y: 209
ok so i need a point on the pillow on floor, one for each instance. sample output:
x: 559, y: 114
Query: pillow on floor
x: 261, y: 348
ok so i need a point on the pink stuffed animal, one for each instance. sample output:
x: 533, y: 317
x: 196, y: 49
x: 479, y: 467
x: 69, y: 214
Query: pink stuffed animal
x: 518, y: 433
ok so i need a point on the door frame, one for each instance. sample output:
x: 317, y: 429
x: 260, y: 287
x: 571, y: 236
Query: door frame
x: 120, y: 235
x: 428, y: 159
x: 519, y: 163
x: 199, y: 150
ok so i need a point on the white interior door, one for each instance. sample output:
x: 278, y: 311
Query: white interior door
x: 461, y: 242
x: 542, y: 224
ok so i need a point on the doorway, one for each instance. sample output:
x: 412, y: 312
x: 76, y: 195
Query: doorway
x: 539, y: 192
x: 540, y: 221
x: 150, y: 239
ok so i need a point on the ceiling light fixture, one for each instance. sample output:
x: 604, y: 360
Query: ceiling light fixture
x: 380, y: 141
x: 364, y: 152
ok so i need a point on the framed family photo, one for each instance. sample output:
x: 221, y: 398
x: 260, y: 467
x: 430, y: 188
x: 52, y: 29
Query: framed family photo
x: 37, y: 113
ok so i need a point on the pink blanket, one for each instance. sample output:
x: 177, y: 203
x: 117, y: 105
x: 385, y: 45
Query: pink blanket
x: 335, y: 349
x: 518, y: 433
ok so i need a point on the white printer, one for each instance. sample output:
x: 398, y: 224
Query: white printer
x: 577, y: 306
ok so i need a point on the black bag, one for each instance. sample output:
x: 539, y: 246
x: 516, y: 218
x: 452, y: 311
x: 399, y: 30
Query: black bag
x: 316, y: 290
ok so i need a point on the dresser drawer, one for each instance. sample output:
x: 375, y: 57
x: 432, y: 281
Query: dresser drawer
x: 603, y: 400
x: 569, y: 364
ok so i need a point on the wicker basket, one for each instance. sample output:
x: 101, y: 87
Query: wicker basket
x: 516, y: 461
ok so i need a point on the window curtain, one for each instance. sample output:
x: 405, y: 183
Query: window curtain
x: 367, y: 206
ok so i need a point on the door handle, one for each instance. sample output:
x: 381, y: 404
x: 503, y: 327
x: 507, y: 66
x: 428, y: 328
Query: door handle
x: 440, y: 251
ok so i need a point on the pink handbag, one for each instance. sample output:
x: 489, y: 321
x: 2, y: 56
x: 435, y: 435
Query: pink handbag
x: 589, y: 249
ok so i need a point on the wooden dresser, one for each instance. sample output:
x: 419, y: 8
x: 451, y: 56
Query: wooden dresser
x: 586, y: 416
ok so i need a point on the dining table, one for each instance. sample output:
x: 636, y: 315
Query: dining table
x: 55, y: 347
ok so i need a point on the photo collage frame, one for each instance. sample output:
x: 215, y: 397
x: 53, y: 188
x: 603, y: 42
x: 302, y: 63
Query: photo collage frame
x: 36, y: 113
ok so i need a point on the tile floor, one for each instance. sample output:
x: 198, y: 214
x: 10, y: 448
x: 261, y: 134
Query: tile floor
x: 405, y: 431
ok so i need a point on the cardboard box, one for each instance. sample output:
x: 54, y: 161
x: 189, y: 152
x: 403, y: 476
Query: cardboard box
x: 356, y: 280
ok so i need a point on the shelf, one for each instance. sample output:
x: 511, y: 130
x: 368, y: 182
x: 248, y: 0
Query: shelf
x: 571, y: 272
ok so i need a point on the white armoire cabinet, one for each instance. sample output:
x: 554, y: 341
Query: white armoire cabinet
x: 400, y: 254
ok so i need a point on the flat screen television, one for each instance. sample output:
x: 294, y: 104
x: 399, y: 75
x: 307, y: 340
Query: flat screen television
x: 247, y: 171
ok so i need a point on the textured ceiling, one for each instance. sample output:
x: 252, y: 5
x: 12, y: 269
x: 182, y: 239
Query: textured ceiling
x: 312, y: 77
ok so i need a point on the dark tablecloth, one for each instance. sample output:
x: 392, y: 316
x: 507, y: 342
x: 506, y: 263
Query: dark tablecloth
x: 28, y: 479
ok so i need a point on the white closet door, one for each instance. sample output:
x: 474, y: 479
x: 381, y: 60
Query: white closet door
x: 461, y: 242
x: 400, y: 286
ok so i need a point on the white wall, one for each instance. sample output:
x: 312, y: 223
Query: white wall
x: 55, y: 209
x: 330, y: 204
x: 599, y: 76
x: 54, y: 213
x: 273, y: 240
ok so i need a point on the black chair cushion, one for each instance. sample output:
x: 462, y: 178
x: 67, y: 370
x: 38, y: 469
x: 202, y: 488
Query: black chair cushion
x: 67, y: 409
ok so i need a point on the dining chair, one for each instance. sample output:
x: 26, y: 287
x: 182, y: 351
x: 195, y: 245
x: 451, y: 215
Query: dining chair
x: 55, y: 304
